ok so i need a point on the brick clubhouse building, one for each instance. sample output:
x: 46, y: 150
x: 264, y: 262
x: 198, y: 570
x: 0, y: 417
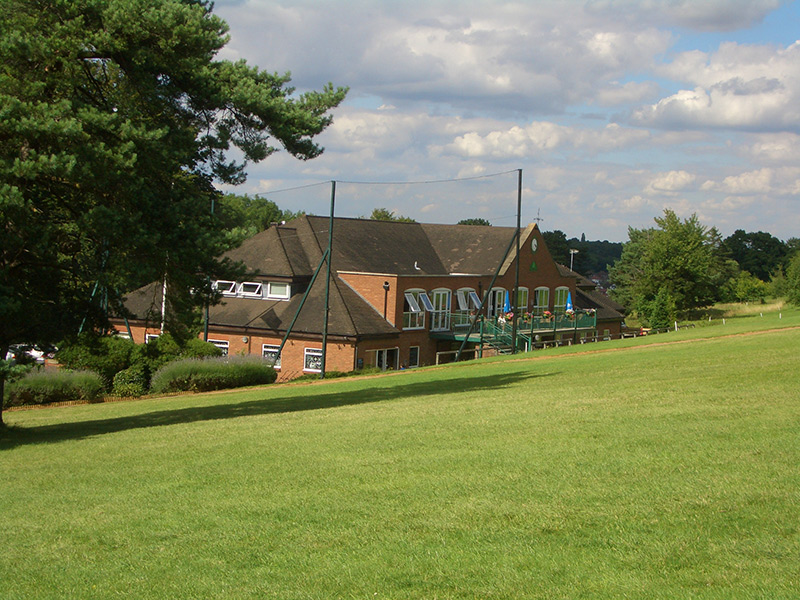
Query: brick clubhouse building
x: 401, y: 295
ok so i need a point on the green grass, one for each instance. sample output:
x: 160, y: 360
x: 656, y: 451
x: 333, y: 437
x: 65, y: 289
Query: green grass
x: 651, y: 470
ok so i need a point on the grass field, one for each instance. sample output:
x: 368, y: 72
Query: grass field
x: 661, y: 467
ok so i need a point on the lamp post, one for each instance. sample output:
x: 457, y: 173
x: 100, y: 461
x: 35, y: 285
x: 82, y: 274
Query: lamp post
x: 572, y: 253
x: 385, y: 297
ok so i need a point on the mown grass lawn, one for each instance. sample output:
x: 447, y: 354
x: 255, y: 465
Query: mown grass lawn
x: 650, y: 471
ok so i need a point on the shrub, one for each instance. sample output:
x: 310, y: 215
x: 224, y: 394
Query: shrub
x: 131, y: 382
x: 197, y: 348
x: 202, y: 375
x: 106, y: 355
x: 46, y: 387
x: 661, y: 310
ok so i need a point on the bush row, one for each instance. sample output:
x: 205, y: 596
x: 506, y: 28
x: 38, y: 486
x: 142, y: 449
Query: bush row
x: 196, y: 375
x: 94, y: 366
x: 126, y: 368
x: 47, y: 387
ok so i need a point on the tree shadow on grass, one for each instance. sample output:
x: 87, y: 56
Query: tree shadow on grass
x: 386, y: 389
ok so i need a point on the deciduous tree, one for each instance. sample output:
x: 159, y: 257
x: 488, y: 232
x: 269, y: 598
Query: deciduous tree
x: 476, y: 221
x: 759, y: 253
x: 384, y: 214
x: 681, y: 257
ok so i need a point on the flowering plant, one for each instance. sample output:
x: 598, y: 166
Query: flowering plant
x: 547, y: 314
x: 570, y: 312
x: 509, y: 315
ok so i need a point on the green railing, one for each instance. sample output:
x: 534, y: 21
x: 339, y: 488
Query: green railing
x: 499, y: 333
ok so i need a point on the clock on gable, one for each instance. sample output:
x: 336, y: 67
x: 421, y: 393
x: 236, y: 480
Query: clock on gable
x: 534, y: 244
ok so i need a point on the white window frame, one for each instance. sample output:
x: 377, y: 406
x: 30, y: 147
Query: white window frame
x: 425, y: 301
x: 269, y: 349
x: 225, y: 287
x: 561, y: 293
x: 271, y: 294
x: 414, y: 318
x: 410, y: 355
x: 467, y: 301
x: 496, y: 308
x: 541, y: 304
x: 312, y: 353
x: 384, y: 353
x: 440, y: 313
x: 223, y: 345
x: 257, y: 293
x: 149, y: 337
x: 522, y: 306
x: 476, y: 300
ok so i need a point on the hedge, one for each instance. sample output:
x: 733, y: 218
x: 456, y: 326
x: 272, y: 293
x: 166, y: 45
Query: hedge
x: 47, y: 387
x: 203, y: 375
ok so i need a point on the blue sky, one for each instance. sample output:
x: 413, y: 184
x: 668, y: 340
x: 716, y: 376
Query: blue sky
x: 613, y: 109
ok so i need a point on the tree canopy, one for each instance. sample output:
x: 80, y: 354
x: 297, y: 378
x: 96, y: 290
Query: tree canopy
x: 384, y: 214
x: 242, y: 217
x: 115, y: 120
x: 677, y: 264
x: 759, y: 253
x: 475, y: 221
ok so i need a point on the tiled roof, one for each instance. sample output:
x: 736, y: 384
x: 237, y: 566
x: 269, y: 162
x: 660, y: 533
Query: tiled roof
x: 607, y: 309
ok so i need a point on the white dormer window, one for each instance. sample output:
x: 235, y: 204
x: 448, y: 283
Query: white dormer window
x: 250, y: 289
x: 226, y: 288
x: 278, y: 291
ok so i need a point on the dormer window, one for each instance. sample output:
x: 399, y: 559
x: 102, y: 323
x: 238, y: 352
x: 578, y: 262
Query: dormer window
x: 226, y: 288
x: 250, y: 289
x: 278, y: 291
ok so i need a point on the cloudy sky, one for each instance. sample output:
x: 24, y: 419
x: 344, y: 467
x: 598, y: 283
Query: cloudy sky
x: 613, y: 109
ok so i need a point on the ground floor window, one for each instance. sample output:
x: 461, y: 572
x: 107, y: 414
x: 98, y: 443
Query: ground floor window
x: 150, y: 337
x: 221, y: 344
x: 541, y: 300
x: 313, y: 360
x: 387, y: 358
x: 270, y: 353
x: 413, y: 356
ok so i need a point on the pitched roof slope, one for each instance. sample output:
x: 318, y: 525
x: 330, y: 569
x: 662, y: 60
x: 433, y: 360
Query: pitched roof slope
x: 367, y: 246
x: 349, y: 315
x: 276, y: 251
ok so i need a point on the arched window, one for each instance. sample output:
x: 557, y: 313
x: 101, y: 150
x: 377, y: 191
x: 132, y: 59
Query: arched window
x: 522, y: 299
x: 560, y: 302
x: 465, y: 306
x: 497, y: 298
x: 541, y: 300
x: 440, y: 315
x: 414, y: 309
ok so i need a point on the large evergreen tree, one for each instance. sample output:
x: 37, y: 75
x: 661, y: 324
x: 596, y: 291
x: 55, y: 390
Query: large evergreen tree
x: 115, y: 120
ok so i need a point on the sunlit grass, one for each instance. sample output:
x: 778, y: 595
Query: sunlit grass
x: 663, y: 467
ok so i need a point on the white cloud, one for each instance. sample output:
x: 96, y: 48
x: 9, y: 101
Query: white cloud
x: 669, y: 183
x: 470, y: 88
x: 737, y: 87
x: 752, y: 182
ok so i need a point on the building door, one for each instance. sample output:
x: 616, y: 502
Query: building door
x: 388, y: 358
x: 440, y: 317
